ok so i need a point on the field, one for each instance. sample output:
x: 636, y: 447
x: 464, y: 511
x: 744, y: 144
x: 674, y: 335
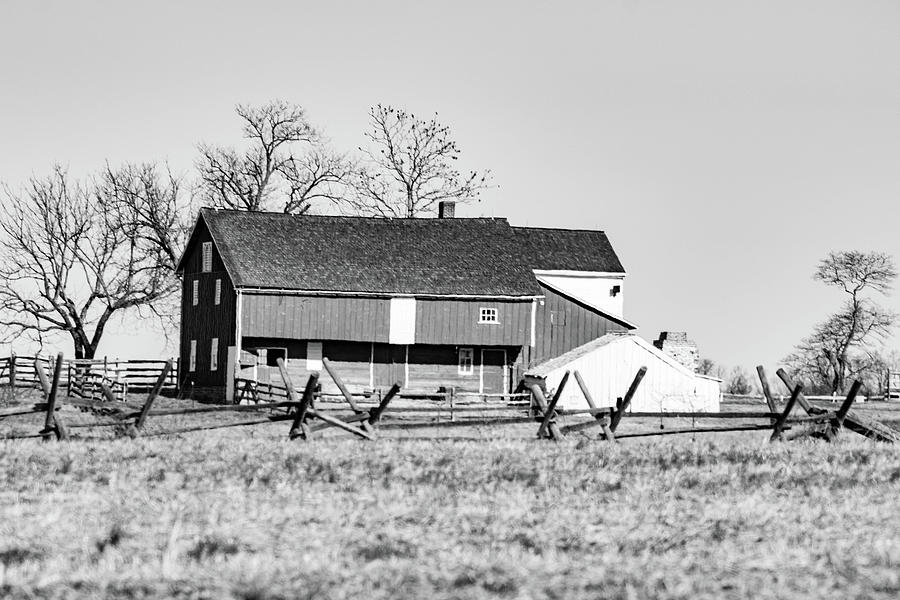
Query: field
x: 245, y: 513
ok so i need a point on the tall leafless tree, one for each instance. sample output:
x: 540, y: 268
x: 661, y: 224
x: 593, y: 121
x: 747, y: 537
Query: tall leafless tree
x: 287, y: 165
x: 843, y: 345
x: 74, y: 254
x: 408, y: 167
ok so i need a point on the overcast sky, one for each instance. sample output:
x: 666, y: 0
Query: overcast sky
x: 725, y: 147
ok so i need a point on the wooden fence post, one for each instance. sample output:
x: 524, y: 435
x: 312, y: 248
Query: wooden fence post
x: 604, y: 419
x: 778, y: 427
x: 52, y: 423
x: 12, y: 370
x: 299, y: 428
x: 42, y: 377
x: 345, y: 392
x: 151, y: 397
x: 550, y: 413
x: 541, y: 401
x: 621, y: 407
x: 767, y: 392
x: 375, y: 413
x: 834, y: 428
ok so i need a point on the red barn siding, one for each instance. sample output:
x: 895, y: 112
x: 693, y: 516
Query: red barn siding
x: 440, y: 321
x: 316, y: 317
x: 574, y: 324
x: 206, y: 320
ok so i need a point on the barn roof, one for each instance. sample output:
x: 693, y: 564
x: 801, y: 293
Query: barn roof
x: 475, y: 257
x: 447, y: 257
x: 568, y: 250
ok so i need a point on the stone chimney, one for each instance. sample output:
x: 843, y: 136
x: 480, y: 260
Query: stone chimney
x: 446, y: 209
x: 677, y: 345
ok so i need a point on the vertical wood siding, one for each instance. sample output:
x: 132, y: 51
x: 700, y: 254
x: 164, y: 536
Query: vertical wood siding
x: 206, y: 320
x: 316, y: 317
x: 441, y: 321
x: 562, y: 324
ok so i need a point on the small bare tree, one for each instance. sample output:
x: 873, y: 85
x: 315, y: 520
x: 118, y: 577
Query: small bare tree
x: 409, y: 167
x: 842, y: 346
x: 285, y: 157
x: 74, y: 254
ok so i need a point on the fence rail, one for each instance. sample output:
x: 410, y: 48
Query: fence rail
x: 82, y: 377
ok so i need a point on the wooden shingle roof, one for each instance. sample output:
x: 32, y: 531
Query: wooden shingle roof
x: 476, y: 257
x: 568, y: 250
x: 484, y: 257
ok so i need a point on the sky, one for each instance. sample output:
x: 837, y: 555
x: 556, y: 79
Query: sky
x: 725, y: 147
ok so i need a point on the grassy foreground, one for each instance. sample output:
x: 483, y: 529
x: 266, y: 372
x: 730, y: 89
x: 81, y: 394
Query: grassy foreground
x: 241, y: 515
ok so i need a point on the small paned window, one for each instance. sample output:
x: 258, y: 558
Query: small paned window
x: 195, y: 297
x: 207, y: 257
x: 273, y: 355
x: 465, y: 361
x: 218, y: 296
x: 614, y: 290
x: 488, y: 315
x: 192, y: 366
x: 214, y: 355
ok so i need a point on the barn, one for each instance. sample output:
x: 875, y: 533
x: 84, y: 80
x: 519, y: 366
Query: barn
x: 608, y: 365
x: 470, y: 303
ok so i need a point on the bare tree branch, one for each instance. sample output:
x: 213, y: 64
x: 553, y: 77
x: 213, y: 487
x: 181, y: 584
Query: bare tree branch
x: 408, y: 170
x: 74, y: 254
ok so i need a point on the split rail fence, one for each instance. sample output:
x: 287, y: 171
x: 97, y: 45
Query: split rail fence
x: 309, y: 411
x: 81, y: 378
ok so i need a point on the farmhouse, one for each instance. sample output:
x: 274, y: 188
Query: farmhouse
x: 465, y: 302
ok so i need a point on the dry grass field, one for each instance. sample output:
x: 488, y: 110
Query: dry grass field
x: 244, y: 513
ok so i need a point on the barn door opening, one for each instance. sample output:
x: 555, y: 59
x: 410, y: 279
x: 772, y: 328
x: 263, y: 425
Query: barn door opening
x: 389, y: 365
x: 494, y: 371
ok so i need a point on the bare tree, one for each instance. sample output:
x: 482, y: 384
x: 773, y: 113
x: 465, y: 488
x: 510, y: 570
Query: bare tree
x: 285, y: 157
x: 409, y: 167
x: 74, y: 254
x: 738, y: 382
x: 842, y: 346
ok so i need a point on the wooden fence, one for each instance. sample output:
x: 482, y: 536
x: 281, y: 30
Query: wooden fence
x: 362, y: 415
x: 81, y: 377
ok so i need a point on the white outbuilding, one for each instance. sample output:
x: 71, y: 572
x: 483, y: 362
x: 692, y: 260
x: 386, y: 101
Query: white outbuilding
x: 607, y: 366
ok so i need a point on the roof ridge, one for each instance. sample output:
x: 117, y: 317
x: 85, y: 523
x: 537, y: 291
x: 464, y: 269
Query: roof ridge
x: 559, y: 229
x: 271, y: 213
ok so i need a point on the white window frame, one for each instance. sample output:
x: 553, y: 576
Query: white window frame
x: 488, y: 314
x: 217, y: 300
x: 195, y: 297
x: 192, y: 360
x: 466, y: 364
x: 206, y: 257
x: 214, y: 355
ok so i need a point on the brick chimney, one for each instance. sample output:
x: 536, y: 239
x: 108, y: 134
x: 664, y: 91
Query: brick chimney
x: 446, y: 209
x: 677, y: 345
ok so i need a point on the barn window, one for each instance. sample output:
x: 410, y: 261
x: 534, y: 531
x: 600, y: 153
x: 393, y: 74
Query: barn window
x: 313, y: 356
x: 206, y: 267
x: 195, y: 297
x: 273, y: 354
x: 214, y: 355
x: 218, y: 297
x: 192, y: 363
x: 488, y: 315
x: 614, y: 290
x: 465, y: 361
